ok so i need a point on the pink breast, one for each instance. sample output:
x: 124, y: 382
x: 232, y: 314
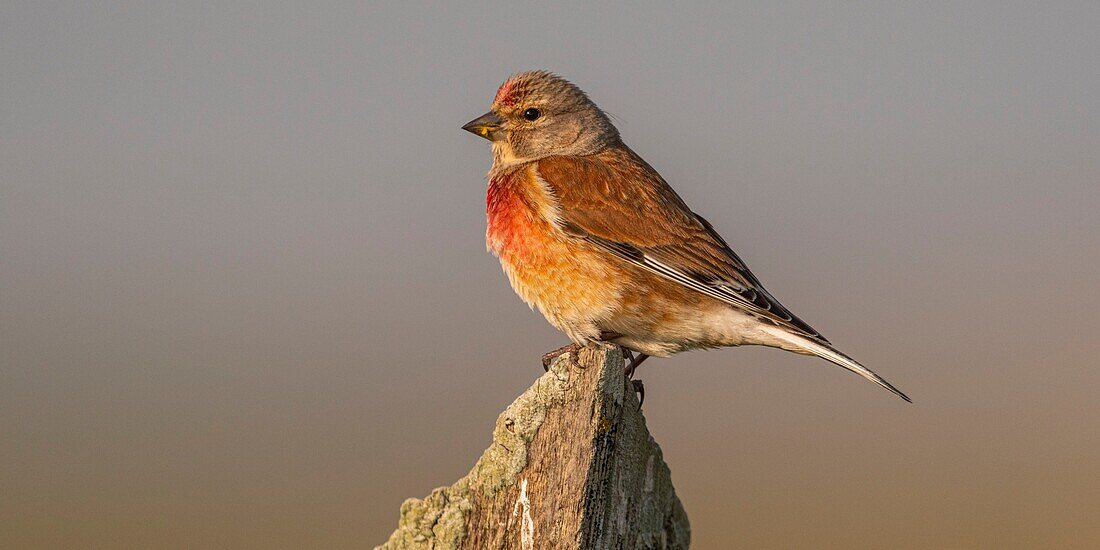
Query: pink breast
x: 512, y: 230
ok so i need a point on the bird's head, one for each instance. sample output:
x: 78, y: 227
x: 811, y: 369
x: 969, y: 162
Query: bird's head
x: 537, y: 114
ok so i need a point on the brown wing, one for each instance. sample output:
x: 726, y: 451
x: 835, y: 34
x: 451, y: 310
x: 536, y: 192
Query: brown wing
x: 619, y: 203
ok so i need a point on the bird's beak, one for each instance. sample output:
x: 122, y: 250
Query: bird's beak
x: 487, y: 126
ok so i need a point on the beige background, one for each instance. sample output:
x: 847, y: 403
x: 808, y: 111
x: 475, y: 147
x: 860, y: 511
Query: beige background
x: 245, y: 300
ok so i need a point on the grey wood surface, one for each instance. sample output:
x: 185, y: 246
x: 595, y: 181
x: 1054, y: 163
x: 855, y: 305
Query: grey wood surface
x: 571, y: 465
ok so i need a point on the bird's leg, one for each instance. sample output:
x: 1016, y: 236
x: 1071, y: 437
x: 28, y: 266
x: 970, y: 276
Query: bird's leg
x: 609, y: 336
x: 632, y: 362
x: 548, y: 358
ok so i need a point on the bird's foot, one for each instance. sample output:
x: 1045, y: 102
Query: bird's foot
x: 632, y: 362
x: 548, y: 358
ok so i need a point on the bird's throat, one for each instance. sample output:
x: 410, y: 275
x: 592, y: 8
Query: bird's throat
x: 504, y: 156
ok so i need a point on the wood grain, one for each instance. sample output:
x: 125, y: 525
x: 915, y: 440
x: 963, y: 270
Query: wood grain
x: 571, y: 466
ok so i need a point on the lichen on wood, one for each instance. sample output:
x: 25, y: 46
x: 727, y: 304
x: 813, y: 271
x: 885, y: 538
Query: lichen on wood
x: 571, y: 465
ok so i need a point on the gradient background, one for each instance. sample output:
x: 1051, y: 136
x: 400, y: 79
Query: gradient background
x: 245, y: 299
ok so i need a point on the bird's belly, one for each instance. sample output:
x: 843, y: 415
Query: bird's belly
x: 659, y: 317
x: 570, y: 288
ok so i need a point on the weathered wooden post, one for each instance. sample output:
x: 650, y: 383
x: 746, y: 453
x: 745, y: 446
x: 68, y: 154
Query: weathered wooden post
x: 571, y: 465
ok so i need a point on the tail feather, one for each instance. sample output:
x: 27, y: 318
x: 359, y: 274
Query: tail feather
x: 830, y: 354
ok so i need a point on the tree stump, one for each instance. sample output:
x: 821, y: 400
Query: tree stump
x: 571, y: 465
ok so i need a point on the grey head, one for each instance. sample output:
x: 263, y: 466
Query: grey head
x: 537, y: 114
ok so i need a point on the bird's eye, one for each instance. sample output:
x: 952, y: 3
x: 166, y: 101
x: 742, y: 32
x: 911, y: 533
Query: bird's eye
x: 532, y: 114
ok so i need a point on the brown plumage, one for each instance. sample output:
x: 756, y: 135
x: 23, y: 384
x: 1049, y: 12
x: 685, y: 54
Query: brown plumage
x: 598, y: 192
x: 593, y: 237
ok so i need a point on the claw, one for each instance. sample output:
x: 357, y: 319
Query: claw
x: 548, y: 358
x: 639, y: 389
x: 632, y: 362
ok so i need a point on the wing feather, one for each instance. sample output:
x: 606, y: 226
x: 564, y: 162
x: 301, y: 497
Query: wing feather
x: 620, y: 204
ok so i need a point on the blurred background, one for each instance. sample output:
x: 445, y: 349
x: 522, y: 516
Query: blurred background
x: 245, y: 299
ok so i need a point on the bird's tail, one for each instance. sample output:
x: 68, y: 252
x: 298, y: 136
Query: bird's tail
x: 829, y: 353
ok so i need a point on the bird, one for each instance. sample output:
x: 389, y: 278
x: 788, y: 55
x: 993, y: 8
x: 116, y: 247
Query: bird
x: 593, y: 237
